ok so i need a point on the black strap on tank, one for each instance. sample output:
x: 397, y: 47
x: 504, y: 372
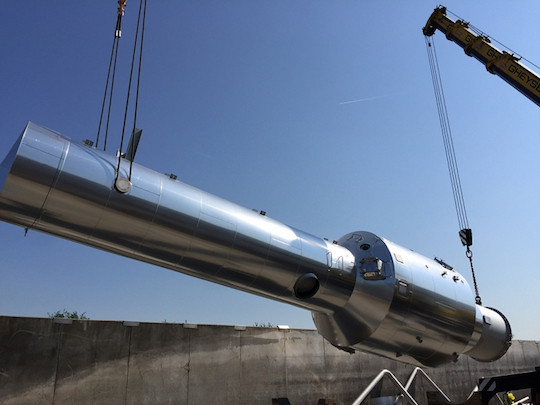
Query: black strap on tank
x: 142, y: 11
x: 111, y: 78
x: 112, y: 69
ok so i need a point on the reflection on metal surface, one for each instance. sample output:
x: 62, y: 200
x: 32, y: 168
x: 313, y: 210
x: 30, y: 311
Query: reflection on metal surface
x: 364, y: 291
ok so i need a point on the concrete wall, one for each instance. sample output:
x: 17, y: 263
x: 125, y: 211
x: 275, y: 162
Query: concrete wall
x: 103, y: 362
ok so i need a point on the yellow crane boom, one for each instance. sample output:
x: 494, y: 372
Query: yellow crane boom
x: 501, y: 63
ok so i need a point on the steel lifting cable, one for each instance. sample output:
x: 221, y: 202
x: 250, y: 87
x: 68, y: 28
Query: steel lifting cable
x: 138, y: 83
x: 112, y: 66
x: 465, y: 232
x: 129, y: 85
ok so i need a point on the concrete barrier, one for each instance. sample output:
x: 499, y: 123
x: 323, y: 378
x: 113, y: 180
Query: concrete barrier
x: 105, y: 362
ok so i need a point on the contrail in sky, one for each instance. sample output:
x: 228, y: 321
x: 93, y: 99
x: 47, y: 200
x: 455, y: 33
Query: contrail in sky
x: 362, y: 99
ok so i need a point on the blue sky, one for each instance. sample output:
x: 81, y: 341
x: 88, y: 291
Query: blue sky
x: 251, y: 101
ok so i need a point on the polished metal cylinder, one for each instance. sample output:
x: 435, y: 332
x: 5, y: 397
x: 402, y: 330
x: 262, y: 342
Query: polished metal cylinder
x: 70, y: 190
x: 412, y: 308
x: 365, y: 292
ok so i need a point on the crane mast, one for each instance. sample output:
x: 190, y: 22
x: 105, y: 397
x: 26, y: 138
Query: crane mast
x: 501, y: 63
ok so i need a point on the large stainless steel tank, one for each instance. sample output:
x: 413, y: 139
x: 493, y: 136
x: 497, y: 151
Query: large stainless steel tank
x: 364, y: 291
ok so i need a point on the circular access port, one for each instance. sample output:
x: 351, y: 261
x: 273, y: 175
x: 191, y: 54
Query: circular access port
x: 306, y: 286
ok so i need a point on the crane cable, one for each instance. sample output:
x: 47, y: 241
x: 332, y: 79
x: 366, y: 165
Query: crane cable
x: 129, y: 85
x: 112, y: 65
x: 465, y: 233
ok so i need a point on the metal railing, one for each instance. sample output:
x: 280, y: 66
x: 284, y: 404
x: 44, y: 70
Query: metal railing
x: 403, y: 389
